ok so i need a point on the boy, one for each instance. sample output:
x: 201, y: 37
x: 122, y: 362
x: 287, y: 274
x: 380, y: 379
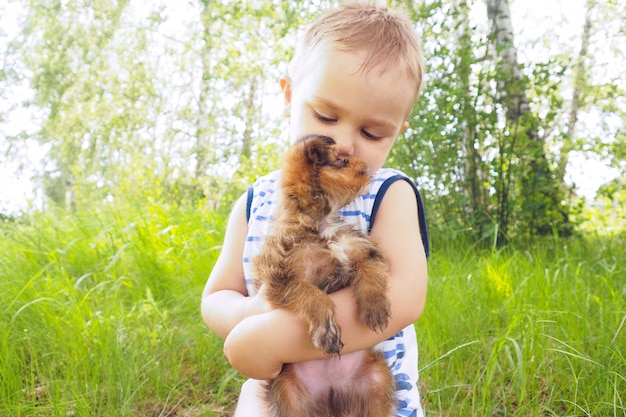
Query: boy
x: 354, y: 77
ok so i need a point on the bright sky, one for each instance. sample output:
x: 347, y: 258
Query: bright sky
x: 554, y: 22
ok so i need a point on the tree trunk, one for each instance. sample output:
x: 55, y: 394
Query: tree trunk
x: 204, y: 106
x: 539, y: 193
x: 473, y: 174
x: 251, y: 109
x: 580, y: 78
x: 512, y: 95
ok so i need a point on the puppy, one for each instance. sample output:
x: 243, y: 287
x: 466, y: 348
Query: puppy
x: 311, y: 252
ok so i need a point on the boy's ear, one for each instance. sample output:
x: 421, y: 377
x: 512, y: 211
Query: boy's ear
x: 285, y: 85
x: 404, y: 127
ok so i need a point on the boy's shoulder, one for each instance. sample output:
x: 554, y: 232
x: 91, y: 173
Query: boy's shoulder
x: 385, y: 178
x: 385, y: 173
x: 262, y: 192
x: 268, y: 179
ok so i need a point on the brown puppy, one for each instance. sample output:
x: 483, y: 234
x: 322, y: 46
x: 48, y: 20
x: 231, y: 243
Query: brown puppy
x: 311, y: 252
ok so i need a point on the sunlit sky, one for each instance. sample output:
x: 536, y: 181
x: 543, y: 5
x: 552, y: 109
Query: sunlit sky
x: 553, y: 22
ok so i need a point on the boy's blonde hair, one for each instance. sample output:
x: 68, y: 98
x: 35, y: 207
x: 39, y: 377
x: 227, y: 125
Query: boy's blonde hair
x: 387, y: 38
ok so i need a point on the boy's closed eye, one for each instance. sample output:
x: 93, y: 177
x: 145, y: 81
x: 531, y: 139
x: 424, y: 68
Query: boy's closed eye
x: 323, y: 117
x: 329, y: 119
x: 371, y: 136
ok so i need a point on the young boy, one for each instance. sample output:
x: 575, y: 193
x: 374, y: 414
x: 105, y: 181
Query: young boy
x: 354, y: 77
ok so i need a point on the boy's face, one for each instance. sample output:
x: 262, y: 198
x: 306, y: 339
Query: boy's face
x: 363, y: 111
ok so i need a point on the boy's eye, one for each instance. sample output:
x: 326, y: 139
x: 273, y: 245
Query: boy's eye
x: 370, y: 135
x: 324, y: 118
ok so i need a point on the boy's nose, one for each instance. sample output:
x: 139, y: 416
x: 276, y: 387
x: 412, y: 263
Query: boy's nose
x: 345, y: 143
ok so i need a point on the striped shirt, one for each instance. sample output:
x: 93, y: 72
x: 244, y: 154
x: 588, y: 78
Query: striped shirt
x: 400, y: 350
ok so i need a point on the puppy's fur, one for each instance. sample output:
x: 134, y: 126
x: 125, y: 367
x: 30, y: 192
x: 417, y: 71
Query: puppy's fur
x: 310, y: 253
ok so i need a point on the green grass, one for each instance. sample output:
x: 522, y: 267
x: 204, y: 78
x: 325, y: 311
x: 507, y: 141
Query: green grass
x: 99, y: 316
x: 540, y: 332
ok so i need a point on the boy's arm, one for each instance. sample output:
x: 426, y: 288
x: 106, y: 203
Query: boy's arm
x: 279, y: 337
x: 224, y: 300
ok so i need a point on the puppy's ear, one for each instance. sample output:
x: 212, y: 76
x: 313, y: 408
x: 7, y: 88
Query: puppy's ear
x: 317, y: 154
x: 318, y: 150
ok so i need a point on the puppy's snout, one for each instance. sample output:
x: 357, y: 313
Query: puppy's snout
x: 343, y: 161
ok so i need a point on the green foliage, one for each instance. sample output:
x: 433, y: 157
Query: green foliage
x: 537, y: 331
x: 482, y: 166
x: 100, y: 316
x: 607, y: 214
x: 96, y: 98
x: 178, y: 102
x: 100, y: 313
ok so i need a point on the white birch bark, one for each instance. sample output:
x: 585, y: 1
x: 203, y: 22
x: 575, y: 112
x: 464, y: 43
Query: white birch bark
x: 580, y: 78
x: 499, y: 14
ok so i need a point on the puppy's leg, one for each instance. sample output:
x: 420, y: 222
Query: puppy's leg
x: 314, y: 307
x: 288, y: 397
x: 382, y: 387
x: 370, y: 285
x: 287, y: 286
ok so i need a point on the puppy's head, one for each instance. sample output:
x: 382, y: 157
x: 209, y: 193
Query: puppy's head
x: 319, y: 178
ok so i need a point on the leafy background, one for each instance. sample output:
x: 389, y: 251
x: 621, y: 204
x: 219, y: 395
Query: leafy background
x: 182, y: 101
x: 139, y: 123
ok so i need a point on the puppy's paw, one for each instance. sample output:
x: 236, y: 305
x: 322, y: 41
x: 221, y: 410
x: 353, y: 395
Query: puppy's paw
x: 376, y: 315
x: 326, y: 336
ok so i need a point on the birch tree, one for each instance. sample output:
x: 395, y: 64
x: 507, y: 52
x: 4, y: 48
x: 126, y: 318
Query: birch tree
x: 127, y: 105
x: 541, y: 195
x: 95, y: 92
x: 581, y: 79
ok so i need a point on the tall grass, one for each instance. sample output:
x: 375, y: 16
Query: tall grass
x: 536, y: 332
x: 99, y: 316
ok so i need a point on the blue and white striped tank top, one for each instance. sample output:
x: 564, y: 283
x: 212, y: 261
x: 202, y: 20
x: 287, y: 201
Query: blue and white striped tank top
x: 400, y: 350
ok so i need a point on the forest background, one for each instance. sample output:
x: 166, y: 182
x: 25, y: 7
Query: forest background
x: 140, y: 122
x: 181, y: 102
